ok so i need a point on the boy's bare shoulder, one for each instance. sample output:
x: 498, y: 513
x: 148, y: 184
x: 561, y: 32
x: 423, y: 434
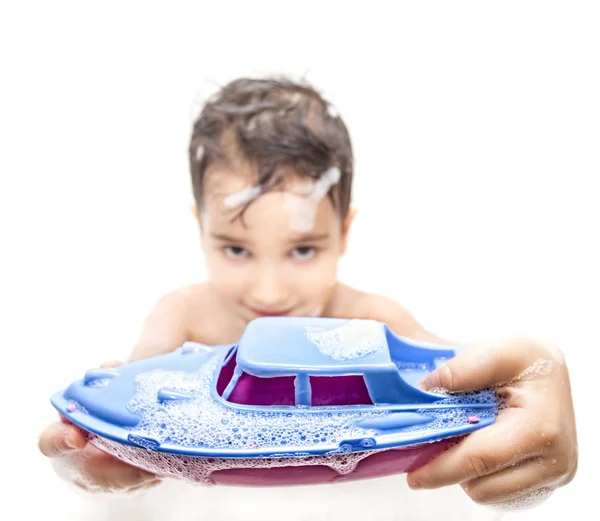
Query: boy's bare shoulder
x: 180, y: 303
x: 187, y: 299
x: 186, y: 313
x: 206, y: 318
x: 196, y: 297
x: 352, y: 303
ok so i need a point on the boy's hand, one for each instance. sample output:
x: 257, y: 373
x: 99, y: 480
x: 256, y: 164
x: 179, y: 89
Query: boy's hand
x: 87, y: 466
x: 531, y: 449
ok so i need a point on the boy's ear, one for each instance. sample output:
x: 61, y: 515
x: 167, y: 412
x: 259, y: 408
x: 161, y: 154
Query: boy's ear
x: 196, y: 214
x: 346, y: 225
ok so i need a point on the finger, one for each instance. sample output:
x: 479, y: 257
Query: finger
x: 484, y: 365
x: 114, y: 474
x: 126, y: 475
x: 511, y: 483
x: 58, y: 439
x: 511, y: 439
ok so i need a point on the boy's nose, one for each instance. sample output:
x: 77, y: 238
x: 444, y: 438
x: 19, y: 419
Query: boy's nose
x: 269, y: 291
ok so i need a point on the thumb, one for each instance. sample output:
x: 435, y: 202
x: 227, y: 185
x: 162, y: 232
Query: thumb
x: 58, y: 439
x: 481, y: 366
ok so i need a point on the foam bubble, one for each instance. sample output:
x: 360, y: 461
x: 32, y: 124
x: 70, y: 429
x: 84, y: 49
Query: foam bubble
x: 329, y: 178
x: 242, y: 197
x: 445, y: 418
x: 539, y: 368
x: 203, y: 421
x: 72, y: 469
x: 355, y: 339
x: 303, y: 209
x: 206, y: 421
x: 198, y: 470
x: 302, y: 212
x: 525, y: 502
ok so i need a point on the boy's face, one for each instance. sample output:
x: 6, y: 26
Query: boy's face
x: 265, y: 264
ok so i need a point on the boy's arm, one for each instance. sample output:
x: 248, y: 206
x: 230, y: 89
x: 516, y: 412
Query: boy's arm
x: 539, y: 452
x: 81, y: 463
x: 165, y: 328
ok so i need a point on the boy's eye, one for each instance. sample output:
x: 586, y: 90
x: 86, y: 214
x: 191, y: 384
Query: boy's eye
x: 304, y: 252
x: 235, y: 252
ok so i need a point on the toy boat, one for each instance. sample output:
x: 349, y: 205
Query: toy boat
x: 295, y: 401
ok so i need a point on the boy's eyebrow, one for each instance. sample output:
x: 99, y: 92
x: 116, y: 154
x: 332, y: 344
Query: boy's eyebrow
x: 310, y: 237
x: 226, y: 238
x: 306, y: 237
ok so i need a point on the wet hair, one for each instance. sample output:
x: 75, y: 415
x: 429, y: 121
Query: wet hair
x: 275, y: 125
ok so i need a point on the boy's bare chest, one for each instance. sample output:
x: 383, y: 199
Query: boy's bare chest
x: 213, y: 325
x: 214, y: 328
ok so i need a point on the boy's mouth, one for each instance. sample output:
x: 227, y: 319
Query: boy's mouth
x: 274, y: 313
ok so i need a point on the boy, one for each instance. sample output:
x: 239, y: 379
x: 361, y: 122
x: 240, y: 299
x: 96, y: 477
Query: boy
x: 271, y: 168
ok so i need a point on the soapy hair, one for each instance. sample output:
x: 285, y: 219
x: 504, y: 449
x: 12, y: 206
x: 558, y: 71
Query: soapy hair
x: 276, y: 126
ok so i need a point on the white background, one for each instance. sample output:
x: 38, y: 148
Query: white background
x: 476, y: 128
